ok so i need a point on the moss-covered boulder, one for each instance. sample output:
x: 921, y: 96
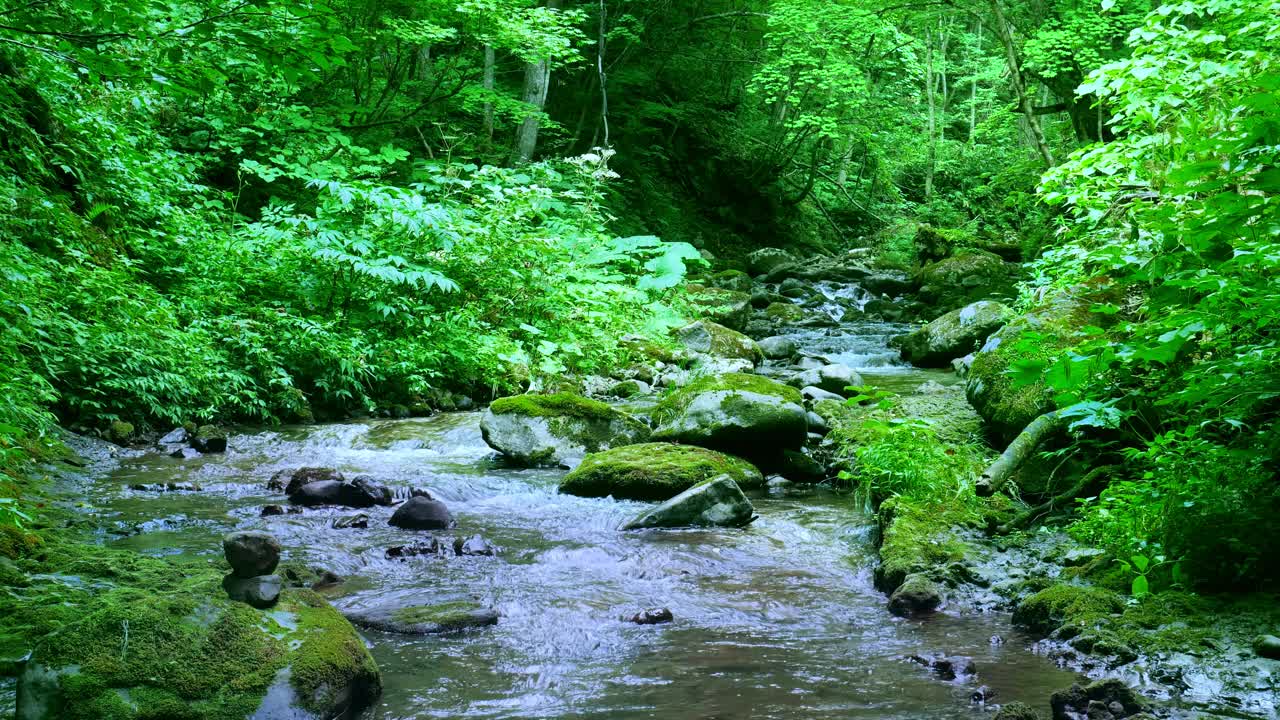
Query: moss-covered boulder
x: 559, y: 429
x: 1038, y: 336
x: 654, y: 471
x: 735, y: 280
x: 1060, y: 605
x: 432, y: 619
x: 967, y: 276
x: 746, y: 415
x: 784, y: 313
x: 730, y: 308
x: 766, y: 260
x: 719, y: 341
x: 134, y: 654
x: 954, y: 335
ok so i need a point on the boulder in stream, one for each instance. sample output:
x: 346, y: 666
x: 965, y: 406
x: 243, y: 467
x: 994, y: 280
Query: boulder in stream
x: 290, y: 479
x: 559, y: 429
x: 719, y: 341
x: 953, y: 335
x: 967, y: 276
x: 766, y: 260
x: 1110, y: 696
x: 654, y: 471
x: 746, y: 415
x: 260, y: 592
x: 160, y: 654
x: 730, y: 308
x: 358, y: 492
x: 917, y: 595
x: 430, y: 619
x: 778, y: 347
x: 422, y: 513
x: 714, y: 503
x: 653, y: 616
x: 251, y: 554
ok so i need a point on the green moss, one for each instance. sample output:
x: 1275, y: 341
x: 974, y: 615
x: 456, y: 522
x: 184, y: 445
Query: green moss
x: 331, y: 657
x: 731, y: 280
x: 450, y: 613
x: 784, y: 312
x: 654, y: 471
x: 1062, y: 604
x: 120, y: 431
x: 557, y: 405
x: 16, y: 542
x: 917, y: 537
x: 675, y: 402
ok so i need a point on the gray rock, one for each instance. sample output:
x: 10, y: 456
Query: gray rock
x: 817, y: 424
x: 778, y: 347
x: 836, y: 378
x: 557, y: 430
x: 289, y: 480
x: 1267, y: 646
x: 814, y: 393
x: 799, y: 466
x: 715, y: 503
x: 958, y: 333
x: 767, y: 260
x: 359, y: 521
x: 186, y: 453
x: 653, y: 616
x: 475, y: 546
x: 423, y: 619
x: 961, y: 366
x: 719, y: 341
x: 175, y: 436
x: 749, y: 424
x: 917, y: 595
x: 422, y: 513
x: 261, y: 592
x: 251, y: 554
x: 359, y: 492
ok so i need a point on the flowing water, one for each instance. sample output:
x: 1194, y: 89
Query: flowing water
x: 778, y: 620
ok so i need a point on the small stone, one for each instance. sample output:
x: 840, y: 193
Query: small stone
x: 260, y: 592
x: 420, y: 513
x: 653, y: 616
x: 474, y: 546
x: 210, y: 439
x: 186, y: 453
x: 982, y: 695
x: 251, y: 554
x: 357, y: 522
x: 400, y: 552
x: 271, y: 510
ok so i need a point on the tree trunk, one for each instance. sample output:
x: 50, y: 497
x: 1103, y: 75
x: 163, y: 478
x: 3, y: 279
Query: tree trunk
x: 490, y: 63
x: 1018, y: 452
x: 604, y: 86
x: 537, y: 79
x: 930, y: 97
x: 973, y: 91
x: 1025, y: 104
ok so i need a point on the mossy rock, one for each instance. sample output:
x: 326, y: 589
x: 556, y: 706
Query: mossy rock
x: 967, y: 276
x: 784, y: 312
x: 717, y: 340
x: 120, y: 432
x: 735, y: 280
x: 953, y: 335
x: 1038, y: 336
x: 1018, y: 711
x: 730, y: 308
x: 743, y: 414
x: 767, y: 260
x: 432, y: 619
x: 654, y: 471
x: 1062, y: 604
x: 135, y: 653
x: 559, y: 429
x: 915, y: 538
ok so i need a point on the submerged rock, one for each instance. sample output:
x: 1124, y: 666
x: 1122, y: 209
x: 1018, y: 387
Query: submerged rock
x: 251, y: 554
x: 424, y: 619
x: 560, y: 429
x: 714, y: 503
x: 428, y: 547
x: 200, y: 656
x: 654, y: 471
x: 653, y: 616
x: 953, y: 335
x: 474, y: 546
x: 359, y: 521
x: 719, y: 341
x: 948, y: 667
x: 422, y: 513
x: 746, y: 415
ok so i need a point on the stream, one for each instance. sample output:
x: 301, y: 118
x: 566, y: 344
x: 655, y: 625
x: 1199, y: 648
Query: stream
x: 778, y: 620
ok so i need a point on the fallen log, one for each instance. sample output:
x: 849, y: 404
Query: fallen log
x: 1019, y: 451
x: 1086, y: 485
